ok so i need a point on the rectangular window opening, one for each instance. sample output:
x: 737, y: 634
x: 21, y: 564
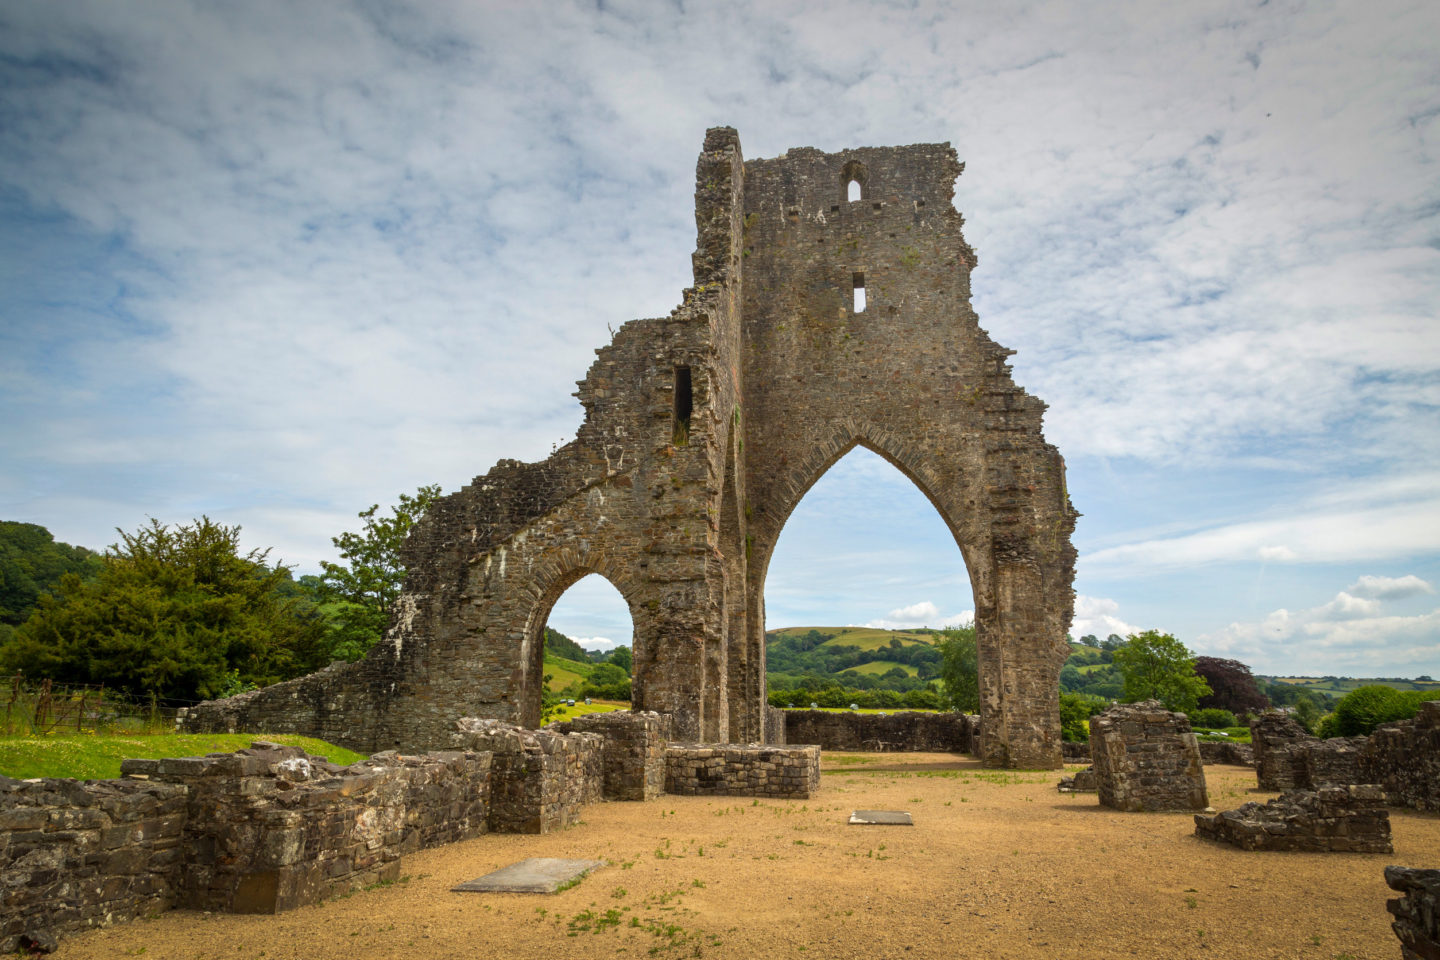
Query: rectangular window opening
x: 859, y: 281
x: 684, y: 405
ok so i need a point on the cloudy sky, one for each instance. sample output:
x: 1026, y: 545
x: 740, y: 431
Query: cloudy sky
x: 275, y: 262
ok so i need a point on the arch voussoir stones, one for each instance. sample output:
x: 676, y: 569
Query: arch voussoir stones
x: 769, y: 370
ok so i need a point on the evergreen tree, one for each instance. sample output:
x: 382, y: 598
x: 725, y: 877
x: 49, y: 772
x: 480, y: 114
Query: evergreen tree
x: 178, y: 613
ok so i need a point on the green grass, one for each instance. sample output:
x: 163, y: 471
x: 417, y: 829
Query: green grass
x: 97, y: 756
x: 806, y: 706
x: 878, y: 667
x: 1344, y: 686
x: 861, y: 638
x: 564, y: 672
x: 581, y: 708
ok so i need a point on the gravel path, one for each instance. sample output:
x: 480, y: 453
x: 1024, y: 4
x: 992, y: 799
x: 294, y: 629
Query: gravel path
x: 997, y: 866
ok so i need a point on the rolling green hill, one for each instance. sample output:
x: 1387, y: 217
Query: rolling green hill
x: 876, y: 667
x: 862, y: 638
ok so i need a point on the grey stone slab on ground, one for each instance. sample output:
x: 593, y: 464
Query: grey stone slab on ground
x: 535, y: 875
x: 891, y: 818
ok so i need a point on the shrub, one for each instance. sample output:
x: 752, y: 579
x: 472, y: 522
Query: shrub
x: 1076, y: 709
x: 1363, y: 709
x: 1213, y: 718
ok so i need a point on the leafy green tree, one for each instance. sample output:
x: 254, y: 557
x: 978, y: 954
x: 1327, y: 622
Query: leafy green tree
x: 1363, y: 709
x: 960, y: 667
x: 355, y: 597
x: 176, y: 613
x: 32, y: 563
x: 1157, y: 666
x: 623, y: 658
x: 1076, y: 709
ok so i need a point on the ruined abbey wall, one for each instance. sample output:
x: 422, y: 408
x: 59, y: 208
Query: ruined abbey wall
x: 702, y: 432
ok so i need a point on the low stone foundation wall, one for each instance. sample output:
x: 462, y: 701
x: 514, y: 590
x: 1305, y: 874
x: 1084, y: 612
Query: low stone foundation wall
x: 539, y: 779
x: 1320, y: 763
x: 1081, y: 781
x: 1276, y: 738
x: 907, y: 731
x: 729, y: 770
x: 1146, y: 758
x: 80, y: 854
x: 1349, y: 819
x: 269, y: 829
x: 1416, y: 912
x: 1236, y: 754
x: 1404, y: 758
x: 1075, y: 752
x: 258, y: 831
x: 633, y: 751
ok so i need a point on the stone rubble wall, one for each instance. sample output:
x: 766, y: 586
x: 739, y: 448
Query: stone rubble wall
x: 1416, y: 912
x: 1334, y: 819
x: 1404, y: 758
x: 1146, y: 758
x: 1275, y: 738
x: 1081, y: 781
x: 80, y: 854
x: 1075, y: 751
x: 906, y: 731
x: 262, y: 830
x: 1336, y: 761
x: 271, y: 828
x: 1236, y: 754
x: 539, y: 779
x: 633, y: 752
x: 730, y: 770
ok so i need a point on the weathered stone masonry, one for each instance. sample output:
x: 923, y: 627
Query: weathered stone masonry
x: 702, y: 432
x: 1146, y: 758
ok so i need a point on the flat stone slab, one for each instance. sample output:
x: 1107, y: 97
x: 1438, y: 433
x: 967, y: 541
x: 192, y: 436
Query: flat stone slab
x: 535, y: 875
x: 887, y: 818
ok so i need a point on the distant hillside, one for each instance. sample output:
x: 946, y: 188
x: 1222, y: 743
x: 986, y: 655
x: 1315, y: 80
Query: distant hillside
x: 860, y: 657
x: 1339, y: 686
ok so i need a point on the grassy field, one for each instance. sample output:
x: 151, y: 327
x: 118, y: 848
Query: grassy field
x: 891, y: 710
x: 877, y: 667
x: 581, y: 708
x: 565, y: 672
x: 97, y: 756
x: 863, y: 638
x: 1340, y: 687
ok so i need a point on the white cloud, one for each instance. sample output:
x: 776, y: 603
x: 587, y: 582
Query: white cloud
x: 597, y: 643
x: 1278, y: 553
x: 1388, y: 521
x: 1389, y: 588
x: 1346, y: 636
x: 922, y: 614
x: 1099, y: 616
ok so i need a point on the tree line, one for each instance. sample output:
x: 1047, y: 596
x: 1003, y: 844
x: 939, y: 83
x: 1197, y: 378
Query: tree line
x: 181, y: 613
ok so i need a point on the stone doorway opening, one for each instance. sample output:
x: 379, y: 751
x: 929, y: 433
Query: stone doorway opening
x: 587, y: 610
x: 866, y: 550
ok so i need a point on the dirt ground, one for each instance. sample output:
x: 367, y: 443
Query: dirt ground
x: 997, y: 866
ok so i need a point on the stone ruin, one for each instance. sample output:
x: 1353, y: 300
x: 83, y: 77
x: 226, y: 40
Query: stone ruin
x: 1404, y: 758
x: 1274, y: 737
x: 1081, y: 781
x: 271, y: 828
x: 1333, y: 819
x: 905, y: 731
x: 1146, y: 758
x: 1416, y: 911
x: 816, y: 324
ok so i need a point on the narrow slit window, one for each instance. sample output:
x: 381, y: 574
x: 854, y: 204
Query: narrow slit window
x: 684, y: 405
x: 852, y: 192
x: 859, y: 280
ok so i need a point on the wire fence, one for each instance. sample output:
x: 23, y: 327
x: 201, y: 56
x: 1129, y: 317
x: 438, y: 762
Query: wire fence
x: 42, y: 708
